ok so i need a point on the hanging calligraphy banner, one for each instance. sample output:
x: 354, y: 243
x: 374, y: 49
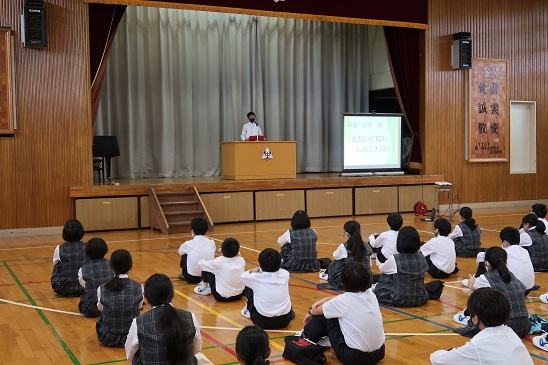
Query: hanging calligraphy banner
x: 488, y: 127
x: 6, y: 84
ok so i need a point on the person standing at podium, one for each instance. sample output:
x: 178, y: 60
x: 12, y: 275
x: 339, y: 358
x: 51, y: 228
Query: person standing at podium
x: 251, y: 130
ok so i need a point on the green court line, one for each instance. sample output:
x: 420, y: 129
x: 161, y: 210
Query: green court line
x: 43, y: 316
x: 108, y: 362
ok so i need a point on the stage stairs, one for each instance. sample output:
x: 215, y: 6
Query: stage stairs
x: 172, y: 212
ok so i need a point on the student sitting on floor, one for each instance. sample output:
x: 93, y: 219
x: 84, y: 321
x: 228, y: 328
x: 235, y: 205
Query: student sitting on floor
x: 299, y: 245
x: 384, y: 244
x: 119, y: 301
x: 402, y: 276
x: 501, y: 279
x: 164, y: 335
x: 540, y: 211
x: 267, y: 292
x: 352, y: 321
x: 538, y: 250
x: 252, y: 346
x: 198, y: 248
x: 440, y: 251
x: 495, y: 344
x: 68, y: 258
x: 221, y: 276
x: 354, y: 249
x: 519, y: 262
x: 466, y: 235
x: 92, y: 274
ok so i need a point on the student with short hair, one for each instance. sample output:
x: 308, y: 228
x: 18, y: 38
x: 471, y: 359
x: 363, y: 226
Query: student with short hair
x: 267, y: 292
x: 402, y: 276
x: 440, y: 251
x: 68, y: 258
x: 540, y: 211
x: 518, y: 262
x: 354, y: 249
x: 298, y: 245
x: 252, y: 346
x: 538, y: 250
x: 352, y: 321
x: 198, y: 248
x: 119, y: 301
x: 221, y: 276
x: 163, y: 335
x: 384, y: 244
x: 501, y: 279
x: 92, y: 274
x: 495, y: 343
x: 466, y: 235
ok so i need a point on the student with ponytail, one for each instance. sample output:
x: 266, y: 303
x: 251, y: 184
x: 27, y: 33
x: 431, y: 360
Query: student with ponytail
x: 119, y: 301
x: 164, y: 335
x: 252, y: 346
x: 466, y: 235
x: 538, y: 249
x: 354, y: 249
x: 499, y: 277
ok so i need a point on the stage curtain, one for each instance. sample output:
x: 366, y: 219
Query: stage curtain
x: 103, y: 22
x: 180, y: 82
x: 403, y: 49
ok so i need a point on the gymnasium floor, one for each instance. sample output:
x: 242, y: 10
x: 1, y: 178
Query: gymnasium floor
x: 41, y: 336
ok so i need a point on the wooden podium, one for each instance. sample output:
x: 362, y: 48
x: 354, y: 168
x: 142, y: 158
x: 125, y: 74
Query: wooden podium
x: 250, y: 160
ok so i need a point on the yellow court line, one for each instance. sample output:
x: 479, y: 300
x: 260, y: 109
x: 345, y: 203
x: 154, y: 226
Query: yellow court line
x: 212, y: 311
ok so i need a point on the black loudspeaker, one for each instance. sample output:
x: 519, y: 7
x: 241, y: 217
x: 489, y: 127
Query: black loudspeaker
x: 461, y: 51
x: 34, y: 24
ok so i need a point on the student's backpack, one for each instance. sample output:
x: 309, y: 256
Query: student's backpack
x: 434, y: 289
x: 303, y: 352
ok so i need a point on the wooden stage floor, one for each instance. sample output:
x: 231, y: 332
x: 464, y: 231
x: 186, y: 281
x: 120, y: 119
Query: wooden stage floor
x: 214, y: 184
x: 32, y: 335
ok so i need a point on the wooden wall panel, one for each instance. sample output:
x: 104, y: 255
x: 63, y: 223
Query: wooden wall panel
x: 505, y: 29
x: 51, y: 149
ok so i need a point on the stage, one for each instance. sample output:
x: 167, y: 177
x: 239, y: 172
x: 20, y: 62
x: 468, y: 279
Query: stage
x: 125, y: 206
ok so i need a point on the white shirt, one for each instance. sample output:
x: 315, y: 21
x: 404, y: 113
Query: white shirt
x: 524, y: 238
x: 200, y: 247
x: 544, y: 221
x: 227, y: 271
x: 491, y: 346
x: 359, y: 317
x: 250, y: 129
x: 132, y: 341
x: 121, y: 276
x: 387, y: 240
x: 56, y: 255
x: 389, y: 267
x: 340, y: 253
x: 442, y: 253
x: 270, y: 291
x: 457, y: 232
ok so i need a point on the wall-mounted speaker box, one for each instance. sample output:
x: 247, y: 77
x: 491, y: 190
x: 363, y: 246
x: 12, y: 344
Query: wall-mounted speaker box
x: 461, y: 51
x: 33, y: 24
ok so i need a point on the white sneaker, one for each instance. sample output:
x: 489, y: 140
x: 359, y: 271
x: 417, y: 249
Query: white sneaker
x: 540, y: 342
x: 324, y: 341
x: 544, y: 298
x: 465, y: 283
x: 323, y: 275
x: 202, y: 289
x: 461, y: 318
x: 245, y: 313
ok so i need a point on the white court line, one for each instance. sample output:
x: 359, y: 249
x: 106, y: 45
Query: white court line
x: 456, y: 287
x: 41, y: 308
x: 293, y: 332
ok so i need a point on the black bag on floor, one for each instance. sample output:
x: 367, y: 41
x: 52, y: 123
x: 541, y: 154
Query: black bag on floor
x: 303, y: 352
x: 434, y: 289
